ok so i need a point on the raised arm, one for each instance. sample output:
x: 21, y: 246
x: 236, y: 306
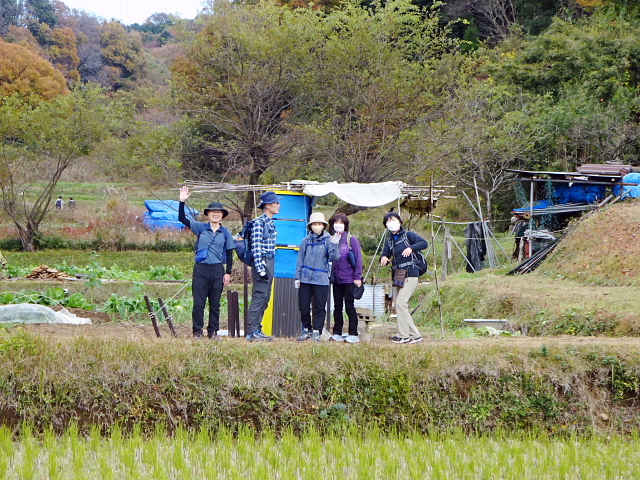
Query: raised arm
x: 184, y: 196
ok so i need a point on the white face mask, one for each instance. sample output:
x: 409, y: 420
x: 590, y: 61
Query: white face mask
x: 393, y: 225
x: 338, y: 227
x: 317, y: 229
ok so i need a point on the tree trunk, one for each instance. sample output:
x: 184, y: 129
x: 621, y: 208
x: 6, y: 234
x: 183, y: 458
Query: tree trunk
x: 27, y: 238
x: 488, y: 214
x: 349, y: 209
x: 249, y: 201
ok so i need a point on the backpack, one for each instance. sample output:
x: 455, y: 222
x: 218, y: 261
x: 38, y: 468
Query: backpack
x: 420, y: 262
x: 417, y: 258
x: 351, y: 257
x: 243, y: 244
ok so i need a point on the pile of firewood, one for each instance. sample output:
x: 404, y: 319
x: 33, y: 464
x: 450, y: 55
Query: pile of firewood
x: 44, y: 272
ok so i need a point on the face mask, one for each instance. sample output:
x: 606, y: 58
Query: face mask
x: 393, y: 225
x: 317, y: 229
x: 338, y: 227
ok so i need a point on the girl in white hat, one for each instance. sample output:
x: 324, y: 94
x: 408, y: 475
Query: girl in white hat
x: 317, y: 249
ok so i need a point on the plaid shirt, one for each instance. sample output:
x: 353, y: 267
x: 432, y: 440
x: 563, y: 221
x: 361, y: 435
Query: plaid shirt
x: 263, y: 240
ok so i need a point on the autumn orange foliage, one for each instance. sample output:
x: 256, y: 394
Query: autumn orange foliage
x: 24, y: 72
x: 590, y: 3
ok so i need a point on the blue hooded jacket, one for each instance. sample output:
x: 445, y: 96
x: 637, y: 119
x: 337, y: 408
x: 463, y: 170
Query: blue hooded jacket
x: 316, y: 251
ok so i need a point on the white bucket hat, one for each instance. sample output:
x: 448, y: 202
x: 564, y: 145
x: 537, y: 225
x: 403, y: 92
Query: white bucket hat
x: 319, y: 218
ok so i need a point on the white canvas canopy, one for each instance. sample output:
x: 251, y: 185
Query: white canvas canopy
x: 370, y: 195
x: 359, y: 194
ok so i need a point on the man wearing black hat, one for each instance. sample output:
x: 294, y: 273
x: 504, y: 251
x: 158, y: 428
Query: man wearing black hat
x: 214, y: 249
x: 263, y: 247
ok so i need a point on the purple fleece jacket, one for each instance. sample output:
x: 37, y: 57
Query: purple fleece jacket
x: 345, y: 273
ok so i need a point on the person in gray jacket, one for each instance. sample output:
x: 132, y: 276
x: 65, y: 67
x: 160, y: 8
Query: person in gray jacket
x: 312, y: 275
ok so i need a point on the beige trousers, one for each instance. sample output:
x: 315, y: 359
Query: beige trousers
x: 401, y: 296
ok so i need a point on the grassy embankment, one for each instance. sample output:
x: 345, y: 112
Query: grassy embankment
x: 480, y: 386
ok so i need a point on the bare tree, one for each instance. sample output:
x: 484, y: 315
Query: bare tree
x: 37, y: 144
x: 494, y: 18
x: 239, y: 82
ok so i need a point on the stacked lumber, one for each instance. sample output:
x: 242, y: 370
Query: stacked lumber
x: 44, y: 272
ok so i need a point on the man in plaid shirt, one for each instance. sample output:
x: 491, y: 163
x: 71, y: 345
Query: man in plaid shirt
x: 263, y: 247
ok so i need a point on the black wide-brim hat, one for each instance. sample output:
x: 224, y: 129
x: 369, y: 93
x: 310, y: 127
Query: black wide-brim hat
x: 216, y: 206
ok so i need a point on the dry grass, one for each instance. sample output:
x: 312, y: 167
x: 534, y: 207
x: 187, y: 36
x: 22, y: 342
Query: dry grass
x: 602, y: 249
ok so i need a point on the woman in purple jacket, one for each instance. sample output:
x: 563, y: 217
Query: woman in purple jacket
x: 346, y: 276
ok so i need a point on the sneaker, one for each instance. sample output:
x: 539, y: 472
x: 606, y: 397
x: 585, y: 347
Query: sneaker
x: 304, y: 335
x: 337, y: 338
x: 402, y: 340
x: 415, y: 340
x: 197, y: 336
x: 213, y: 336
x: 261, y: 336
x: 258, y: 337
x: 352, y: 339
x: 395, y: 337
x: 315, y: 336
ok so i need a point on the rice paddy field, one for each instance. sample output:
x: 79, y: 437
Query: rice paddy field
x: 339, y: 455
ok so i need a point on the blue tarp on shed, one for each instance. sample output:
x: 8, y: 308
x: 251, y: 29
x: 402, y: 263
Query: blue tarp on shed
x: 164, y: 214
x: 579, y: 193
x: 631, y: 191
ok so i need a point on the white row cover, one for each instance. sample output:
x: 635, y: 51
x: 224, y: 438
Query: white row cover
x: 360, y: 194
x: 33, y: 313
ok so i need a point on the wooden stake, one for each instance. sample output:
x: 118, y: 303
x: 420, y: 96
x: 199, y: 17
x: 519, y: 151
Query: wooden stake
x: 435, y: 271
x: 152, y: 315
x: 167, y: 317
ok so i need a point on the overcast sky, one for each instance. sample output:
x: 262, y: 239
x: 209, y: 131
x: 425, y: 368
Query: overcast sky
x: 136, y: 11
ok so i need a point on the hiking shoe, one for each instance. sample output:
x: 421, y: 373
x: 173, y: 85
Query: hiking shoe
x: 261, y: 336
x: 315, y: 336
x: 258, y: 337
x: 402, y: 340
x: 337, y: 338
x: 415, y: 340
x: 304, y: 335
x: 352, y: 339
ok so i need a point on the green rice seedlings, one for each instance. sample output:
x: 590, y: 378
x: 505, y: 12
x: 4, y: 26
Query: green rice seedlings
x: 221, y: 449
x: 50, y: 445
x: 7, y: 449
x: 388, y: 457
x: 149, y: 454
x: 78, y: 452
x: 128, y: 456
x: 201, y: 451
x: 179, y: 450
x: 29, y: 453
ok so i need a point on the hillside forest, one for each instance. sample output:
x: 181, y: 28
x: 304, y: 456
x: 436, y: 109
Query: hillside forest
x: 265, y: 92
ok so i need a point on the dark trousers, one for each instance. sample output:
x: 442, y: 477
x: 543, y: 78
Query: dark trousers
x: 260, y: 296
x: 319, y: 293
x: 207, y: 284
x: 343, y: 294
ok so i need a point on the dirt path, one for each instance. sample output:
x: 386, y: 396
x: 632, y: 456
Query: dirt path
x: 138, y: 332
